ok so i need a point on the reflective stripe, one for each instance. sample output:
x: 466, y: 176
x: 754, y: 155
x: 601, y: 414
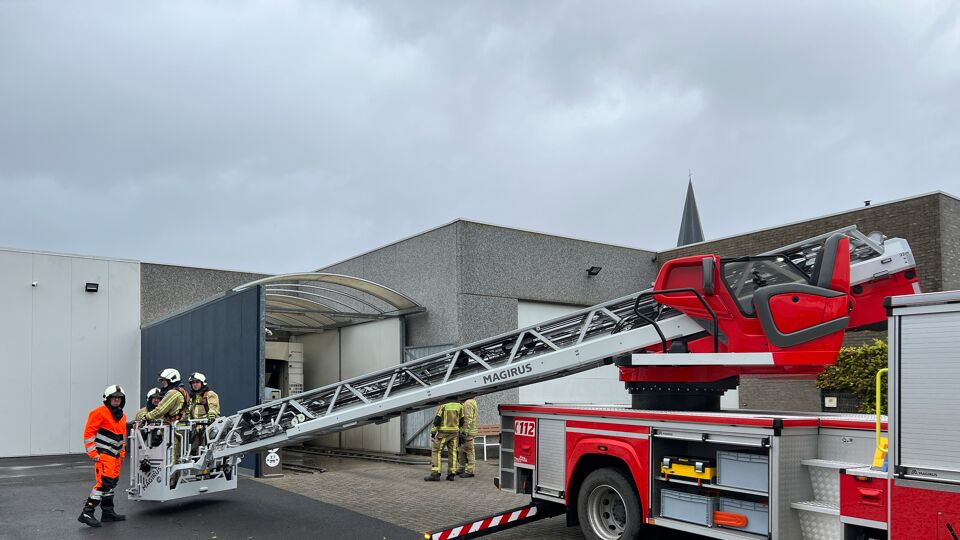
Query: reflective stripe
x: 88, y: 441
x: 96, y: 495
x: 108, y: 450
x: 107, y: 434
x: 610, y: 433
x: 109, y: 442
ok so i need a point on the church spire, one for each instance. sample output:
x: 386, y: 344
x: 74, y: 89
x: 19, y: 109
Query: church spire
x: 691, y: 231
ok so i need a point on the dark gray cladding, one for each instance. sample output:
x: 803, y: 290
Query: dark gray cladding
x: 691, y: 231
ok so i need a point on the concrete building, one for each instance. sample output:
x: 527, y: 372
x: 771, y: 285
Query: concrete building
x: 70, y: 325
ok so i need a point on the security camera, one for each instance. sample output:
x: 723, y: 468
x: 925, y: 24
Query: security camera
x: 34, y: 284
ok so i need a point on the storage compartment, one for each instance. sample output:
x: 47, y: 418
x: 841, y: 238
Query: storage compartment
x: 758, y: 515
x: 863, y: 497
x: 743, y: 470
x: 687, y: 507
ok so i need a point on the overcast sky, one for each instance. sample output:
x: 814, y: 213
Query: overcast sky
x: 283, y: 136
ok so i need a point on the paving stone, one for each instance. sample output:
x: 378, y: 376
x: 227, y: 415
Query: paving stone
x: 397, y: 494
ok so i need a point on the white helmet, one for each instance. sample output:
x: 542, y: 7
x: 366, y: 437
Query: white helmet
x: 114, y: 390
x: 197, y: 376
x: 154, y: 392
x: 171, y: 375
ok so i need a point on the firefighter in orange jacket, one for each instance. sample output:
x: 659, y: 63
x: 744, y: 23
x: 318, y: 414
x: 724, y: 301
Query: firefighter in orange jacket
x: 104, y: 440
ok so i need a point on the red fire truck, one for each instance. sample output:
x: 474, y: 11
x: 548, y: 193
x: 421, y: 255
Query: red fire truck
x: 674, y: 460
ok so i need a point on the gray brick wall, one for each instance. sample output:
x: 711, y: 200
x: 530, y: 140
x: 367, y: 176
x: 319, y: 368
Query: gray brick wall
x: 167, y: 289
x: 917, y: 220
x: 950, y: 242
x: 425, y: 268
x: 779, y: 394
x: 497, y: 261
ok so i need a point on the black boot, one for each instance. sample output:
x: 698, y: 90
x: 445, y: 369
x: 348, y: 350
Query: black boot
x: 109, y: 514
x: 87, y: 517
x: 433, y: 477
x: 451, y: 477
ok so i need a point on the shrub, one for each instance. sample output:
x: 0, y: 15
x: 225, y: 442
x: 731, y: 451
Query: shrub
x: 856, y: 371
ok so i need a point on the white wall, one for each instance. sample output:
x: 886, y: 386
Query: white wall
x: 321, y: 366
x: 332, y: 356
x: 62, y: 346
x: 365, y: 348
x: 600, y: 385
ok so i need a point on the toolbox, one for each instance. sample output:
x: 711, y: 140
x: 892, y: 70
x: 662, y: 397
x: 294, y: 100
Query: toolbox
x: 688, y: 467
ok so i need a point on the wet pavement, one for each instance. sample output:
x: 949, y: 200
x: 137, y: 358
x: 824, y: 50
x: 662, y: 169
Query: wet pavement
x: 42, y: 497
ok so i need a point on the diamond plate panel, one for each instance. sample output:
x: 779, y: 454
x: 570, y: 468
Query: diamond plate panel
x: 817, y: 526
x: 826, y: 484
x: 792, y: 481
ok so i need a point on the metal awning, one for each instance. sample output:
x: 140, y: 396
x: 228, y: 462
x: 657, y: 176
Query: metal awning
x: 316, y: 301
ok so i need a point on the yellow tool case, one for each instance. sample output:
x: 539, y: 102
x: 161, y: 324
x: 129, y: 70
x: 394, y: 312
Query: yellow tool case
x: 688, y: 467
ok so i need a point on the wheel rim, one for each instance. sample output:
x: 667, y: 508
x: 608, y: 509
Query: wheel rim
x: 607, y: 513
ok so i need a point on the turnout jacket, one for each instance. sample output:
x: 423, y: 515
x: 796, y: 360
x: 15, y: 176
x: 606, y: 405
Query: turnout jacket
x: 470, y: 417
x: 103, y: 435
x: 205, y: 405
x: 172, y: 407
x: 449, y: 418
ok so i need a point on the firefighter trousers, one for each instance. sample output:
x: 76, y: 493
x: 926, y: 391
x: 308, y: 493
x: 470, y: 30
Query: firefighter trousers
x: 107, y: 473
x: 467, y: 457
x: 443, y: 440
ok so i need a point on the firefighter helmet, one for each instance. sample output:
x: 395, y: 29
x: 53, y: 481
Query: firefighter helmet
x: 197, y: 376
x: 171, y: 375
x: 154, y: 393
x: 114, y: 390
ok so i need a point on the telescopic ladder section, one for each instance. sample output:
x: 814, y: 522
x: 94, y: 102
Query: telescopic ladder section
x: 579, y: 341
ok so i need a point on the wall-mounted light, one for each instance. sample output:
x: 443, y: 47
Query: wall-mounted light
x: 92, y: 287
x: 593, y: 270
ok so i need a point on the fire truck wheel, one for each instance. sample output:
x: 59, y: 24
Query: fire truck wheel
x: 608, y: 506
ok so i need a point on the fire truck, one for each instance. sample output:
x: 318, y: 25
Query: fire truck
x: 672, y: 459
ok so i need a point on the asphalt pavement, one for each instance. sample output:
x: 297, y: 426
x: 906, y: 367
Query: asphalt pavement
x: 42, y: 497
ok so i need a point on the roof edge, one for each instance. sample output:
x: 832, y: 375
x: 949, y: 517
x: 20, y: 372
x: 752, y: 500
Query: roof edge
x: 477, y: 222
x: 798, y: 222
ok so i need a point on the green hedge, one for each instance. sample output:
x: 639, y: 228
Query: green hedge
x: 856, y: 370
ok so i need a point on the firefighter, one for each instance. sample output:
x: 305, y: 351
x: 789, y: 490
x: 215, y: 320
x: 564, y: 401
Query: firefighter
x: 446, y: 429
x: 104, y: 441
x: 204, y: 405
x: 153, y: 399
x: 172, y: 407
x: 467, y: 458
x: 175, y: 400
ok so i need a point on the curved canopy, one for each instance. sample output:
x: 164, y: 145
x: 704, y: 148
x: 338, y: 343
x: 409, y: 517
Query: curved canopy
x: 314, y: 301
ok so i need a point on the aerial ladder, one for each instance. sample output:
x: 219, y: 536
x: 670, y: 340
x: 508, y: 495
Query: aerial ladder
x: 679, y: 344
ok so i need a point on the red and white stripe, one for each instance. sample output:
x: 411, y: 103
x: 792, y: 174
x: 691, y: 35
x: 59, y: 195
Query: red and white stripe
x: 485, y: 523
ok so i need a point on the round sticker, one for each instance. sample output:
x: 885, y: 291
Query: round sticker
x: 272, y: 459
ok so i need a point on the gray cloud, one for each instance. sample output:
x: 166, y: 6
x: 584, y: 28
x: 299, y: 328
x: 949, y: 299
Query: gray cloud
x: 284, y: 136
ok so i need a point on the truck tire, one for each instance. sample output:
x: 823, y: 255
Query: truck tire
x: 608, y: 506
